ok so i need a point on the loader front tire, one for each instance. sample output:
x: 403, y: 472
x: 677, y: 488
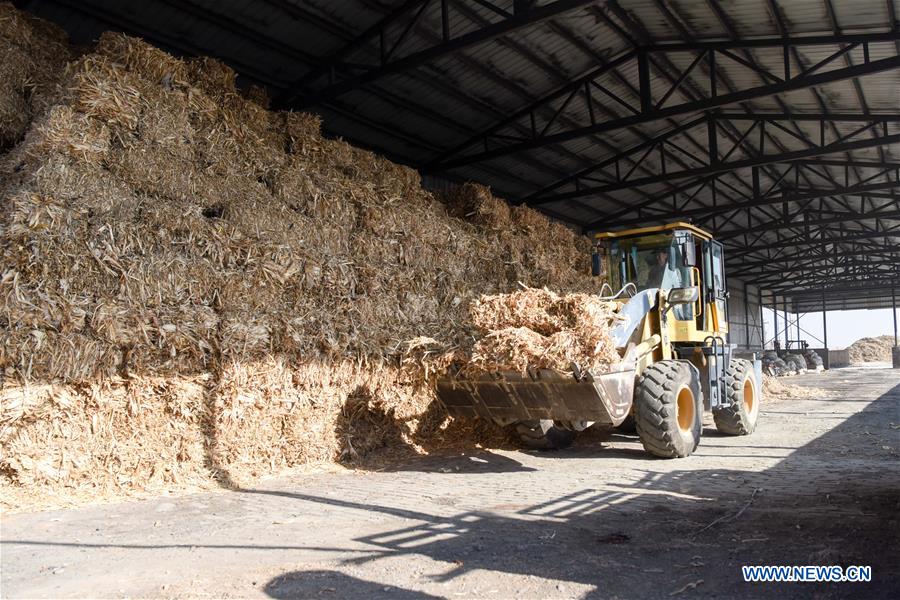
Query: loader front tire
x: 544, y: 435
x: 741, y: 392
x: 668, y: 409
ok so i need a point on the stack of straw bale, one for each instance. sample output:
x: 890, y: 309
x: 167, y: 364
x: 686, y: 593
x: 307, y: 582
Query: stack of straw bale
x: 196, y: 288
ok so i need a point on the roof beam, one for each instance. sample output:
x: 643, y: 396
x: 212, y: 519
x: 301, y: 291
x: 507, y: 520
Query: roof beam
x: 817, y: 117
x: 816, y: 273
x: 806, y: 276
x: 448, y: 46
x: 737, y: 251
x: 715, y: 164
x: 797, y: 254
x: 751, y: 203
x: 779, y: 225
x: 774, y: 42
x: 370, y: 34
x: 799, y: 261
x: 799, y: 81
x: 788, y: 288
x: 676, y: 78
x: 714, y: 73
x: 866, y: 290
x: 864, y: 164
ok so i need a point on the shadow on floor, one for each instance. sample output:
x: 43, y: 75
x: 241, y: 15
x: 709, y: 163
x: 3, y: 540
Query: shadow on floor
x: 334, y: 584
x: 688, y: 530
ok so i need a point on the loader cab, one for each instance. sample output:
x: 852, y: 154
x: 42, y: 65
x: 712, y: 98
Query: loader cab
x: 677, y: 255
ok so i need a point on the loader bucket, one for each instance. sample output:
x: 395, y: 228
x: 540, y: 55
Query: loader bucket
x: 546, y: 394
x: 543, y: 394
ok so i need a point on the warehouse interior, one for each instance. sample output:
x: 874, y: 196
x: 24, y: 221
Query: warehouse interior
x: 355, y: 298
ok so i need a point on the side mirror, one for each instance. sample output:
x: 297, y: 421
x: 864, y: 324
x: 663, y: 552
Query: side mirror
x: 687, y: 295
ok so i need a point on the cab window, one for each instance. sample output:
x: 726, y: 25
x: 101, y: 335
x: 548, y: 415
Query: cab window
x: 652, y: 261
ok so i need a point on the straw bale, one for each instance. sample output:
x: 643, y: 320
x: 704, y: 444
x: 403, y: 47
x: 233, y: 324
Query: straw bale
x: 64, y: 131
x: 474, y: 203
x: 40, y: 354
x: 109, y: 436
x: 263, y: 420
x: 529, y: 220
x: 300, y: 129
x: 272, y: 415
x: 139, y: 57
x: 14, y: 117
x: 258, y: 95
x: 106, y: 91
x: 34, y: 54
x: 212, y: 76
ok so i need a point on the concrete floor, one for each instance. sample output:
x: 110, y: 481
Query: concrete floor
x: 818, y: 483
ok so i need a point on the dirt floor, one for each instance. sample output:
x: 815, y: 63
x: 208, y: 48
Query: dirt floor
x: 818, y: 483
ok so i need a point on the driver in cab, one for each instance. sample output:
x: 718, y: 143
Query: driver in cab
x: 661, y: 274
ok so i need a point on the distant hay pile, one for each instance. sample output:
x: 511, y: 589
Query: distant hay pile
x: 196, y: 288
x: 871, y: 349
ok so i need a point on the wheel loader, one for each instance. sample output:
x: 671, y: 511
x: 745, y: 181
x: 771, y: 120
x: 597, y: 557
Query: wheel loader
x: 674, y: 363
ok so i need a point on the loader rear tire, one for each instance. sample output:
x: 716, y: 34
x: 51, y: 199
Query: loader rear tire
x: 741, y: 391
x: 668, y: 409
x: 544, y: 435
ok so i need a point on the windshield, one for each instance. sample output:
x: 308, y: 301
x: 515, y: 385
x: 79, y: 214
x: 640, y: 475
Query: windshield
x: 651, y: 261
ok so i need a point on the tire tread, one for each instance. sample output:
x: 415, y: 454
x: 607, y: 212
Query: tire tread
x: 654, y: 411
x: 733, y: 420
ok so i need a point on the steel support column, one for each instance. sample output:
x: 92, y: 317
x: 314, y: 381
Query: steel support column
x: 787, y: 324
x: 762, y: 321
x: 747, y: 314
x: 824, y: 322
x: 894, y: 309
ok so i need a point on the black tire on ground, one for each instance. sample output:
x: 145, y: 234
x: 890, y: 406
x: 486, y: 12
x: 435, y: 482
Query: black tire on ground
x: 628, y: 425
x: 668, y: 409
x: 544, y: 435
x: 742, y: 391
